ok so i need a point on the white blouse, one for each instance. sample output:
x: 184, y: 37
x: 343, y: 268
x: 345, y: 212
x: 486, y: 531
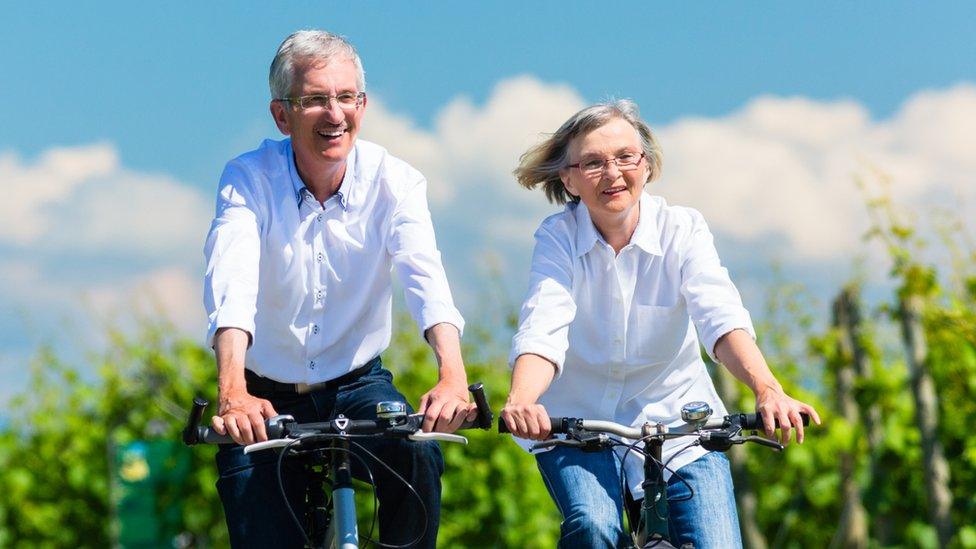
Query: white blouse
x: 620, y: 328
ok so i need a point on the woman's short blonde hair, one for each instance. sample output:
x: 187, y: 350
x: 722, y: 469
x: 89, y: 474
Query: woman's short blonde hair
x: 541, y: 164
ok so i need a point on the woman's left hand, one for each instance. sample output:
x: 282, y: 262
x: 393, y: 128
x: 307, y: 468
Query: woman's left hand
x: 779, y: 409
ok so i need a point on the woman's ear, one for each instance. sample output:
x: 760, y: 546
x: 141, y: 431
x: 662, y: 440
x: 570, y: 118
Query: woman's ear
x: 567, y: 182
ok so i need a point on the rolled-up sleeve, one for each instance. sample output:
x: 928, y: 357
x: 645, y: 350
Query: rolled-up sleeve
x: 713, y: 301
x: 417, y: 261
x: 232, y: 254
x: 549, y: 307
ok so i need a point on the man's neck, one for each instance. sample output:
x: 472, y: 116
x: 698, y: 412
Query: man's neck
x: 322, y: 180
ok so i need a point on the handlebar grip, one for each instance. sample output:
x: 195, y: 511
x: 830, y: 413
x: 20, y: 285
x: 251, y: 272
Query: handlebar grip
x: 210, y: 436
x: 755, y: 421
x: 560, y: 425
x: 485, y: 416
x: 191, y: 433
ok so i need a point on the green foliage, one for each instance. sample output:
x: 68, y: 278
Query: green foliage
x: 55, y: 448
x: 57, y: 441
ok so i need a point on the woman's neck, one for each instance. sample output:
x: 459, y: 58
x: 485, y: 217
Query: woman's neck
x: 617, y: 230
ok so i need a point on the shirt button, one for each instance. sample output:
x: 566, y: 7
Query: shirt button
x: 315, y: 329
x: 311, y: 365
x: 318, y: 217
x: 320, y: 257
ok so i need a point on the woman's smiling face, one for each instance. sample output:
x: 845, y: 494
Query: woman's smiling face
x: 611, y: 195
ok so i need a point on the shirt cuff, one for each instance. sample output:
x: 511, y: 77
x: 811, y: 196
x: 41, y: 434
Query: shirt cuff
x: 437, y: 313
x: 718, y: 327
x: 231, y: 317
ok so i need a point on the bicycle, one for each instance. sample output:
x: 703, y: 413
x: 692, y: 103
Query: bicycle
x: 713, y: 434
x: 325, y: 448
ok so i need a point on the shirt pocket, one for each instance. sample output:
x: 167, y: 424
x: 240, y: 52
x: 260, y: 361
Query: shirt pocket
x: 661, y: 332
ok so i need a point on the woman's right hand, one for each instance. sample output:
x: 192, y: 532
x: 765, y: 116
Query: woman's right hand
x: 529, y: 420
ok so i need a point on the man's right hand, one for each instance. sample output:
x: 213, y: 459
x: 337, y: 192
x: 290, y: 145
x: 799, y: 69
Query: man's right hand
x: 242, y: 415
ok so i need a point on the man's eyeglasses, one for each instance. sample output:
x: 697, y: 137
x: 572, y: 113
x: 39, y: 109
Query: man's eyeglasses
x: 594, y: 167
x: 347, y: 101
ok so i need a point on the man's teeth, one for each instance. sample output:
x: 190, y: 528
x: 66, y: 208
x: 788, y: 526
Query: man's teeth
x: 334, y: 133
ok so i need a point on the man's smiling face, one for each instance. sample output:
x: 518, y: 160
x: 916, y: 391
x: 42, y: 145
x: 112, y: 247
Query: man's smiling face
x: 321, y: 136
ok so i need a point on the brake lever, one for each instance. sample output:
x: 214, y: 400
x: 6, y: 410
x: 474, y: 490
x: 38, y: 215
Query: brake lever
x: 556, y: 442
x: 762, y: 441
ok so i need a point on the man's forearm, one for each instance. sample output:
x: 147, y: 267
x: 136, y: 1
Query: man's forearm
x: 445, y: 341
x: 230, y: 344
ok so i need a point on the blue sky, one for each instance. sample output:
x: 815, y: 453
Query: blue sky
x: 132, y: 108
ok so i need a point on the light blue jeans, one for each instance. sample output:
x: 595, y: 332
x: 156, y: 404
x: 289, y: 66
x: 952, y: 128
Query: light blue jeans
x: 586, y: 489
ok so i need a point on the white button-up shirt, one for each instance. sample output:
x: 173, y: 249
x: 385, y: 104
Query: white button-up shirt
x: 310, y: 281
x: 620, y: 328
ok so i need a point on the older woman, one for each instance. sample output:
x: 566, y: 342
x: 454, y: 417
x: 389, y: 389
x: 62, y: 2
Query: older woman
x: 620, y: 282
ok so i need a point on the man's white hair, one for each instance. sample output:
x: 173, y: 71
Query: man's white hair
x: 309, y: 47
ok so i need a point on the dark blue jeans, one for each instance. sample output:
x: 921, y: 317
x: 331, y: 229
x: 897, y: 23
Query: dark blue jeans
x: 248, y: 485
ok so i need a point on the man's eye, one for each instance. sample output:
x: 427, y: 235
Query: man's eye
x: 346, y: 98
x: 315, y: 101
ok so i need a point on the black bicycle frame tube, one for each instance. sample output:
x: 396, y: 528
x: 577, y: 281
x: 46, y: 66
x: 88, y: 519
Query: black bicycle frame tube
x: 655, y: 507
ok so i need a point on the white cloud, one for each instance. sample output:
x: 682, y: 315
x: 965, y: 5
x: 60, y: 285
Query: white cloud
x: 81, y: 199
x: 786, y: 166
x: 779, y: 169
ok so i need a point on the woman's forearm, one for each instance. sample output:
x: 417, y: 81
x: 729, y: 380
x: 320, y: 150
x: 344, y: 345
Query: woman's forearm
x: 530, y: 379
x: 740, y: 354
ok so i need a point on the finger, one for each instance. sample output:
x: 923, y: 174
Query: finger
x: 460, y: 416
x: 445, y: 417
x: 217, y: 424
x: 472, y: 412
x: 257, y: 427
x: 811, y: 412
x: 769, y: 422
x: 424, y: 403
x: 267, y: 410
x: 532, y: 429
x: 244, y: 424
x: 430, y: 415
x: 231, y: 422
x: 545, y: 426
x: 797, y: 420
x: 785, y: 427
x: 523, y: 429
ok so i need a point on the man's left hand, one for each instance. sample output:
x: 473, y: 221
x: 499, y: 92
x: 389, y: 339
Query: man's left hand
x: 446, y: 407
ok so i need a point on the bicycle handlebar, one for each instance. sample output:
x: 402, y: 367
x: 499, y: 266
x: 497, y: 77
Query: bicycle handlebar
x: 563, y: 425
x: 280, y: 426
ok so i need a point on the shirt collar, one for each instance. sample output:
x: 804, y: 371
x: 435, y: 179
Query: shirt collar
x: 302, y: 192
x: 646, y: 235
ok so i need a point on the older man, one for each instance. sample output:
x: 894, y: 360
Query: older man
x: 298, y: 291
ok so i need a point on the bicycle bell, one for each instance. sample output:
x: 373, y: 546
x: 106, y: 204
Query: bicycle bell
x: 695, y: 412
x: 391, y: 409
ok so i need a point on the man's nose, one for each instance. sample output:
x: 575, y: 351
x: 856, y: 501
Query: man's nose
x: 333, y: 113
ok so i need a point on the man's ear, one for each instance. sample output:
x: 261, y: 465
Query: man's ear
x: 278, y: 112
